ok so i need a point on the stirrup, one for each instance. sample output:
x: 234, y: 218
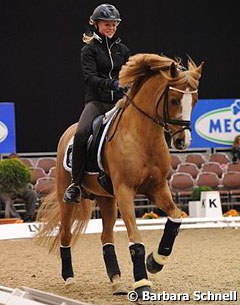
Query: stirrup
x: 73, y: 194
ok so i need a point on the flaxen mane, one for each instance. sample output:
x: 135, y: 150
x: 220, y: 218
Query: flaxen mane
x: 142, y: 66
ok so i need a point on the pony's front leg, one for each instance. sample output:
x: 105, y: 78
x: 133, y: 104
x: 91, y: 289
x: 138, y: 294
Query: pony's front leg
x: 67, y: 273
x: 125, y: 199
x: 108, y: 210
x: 158, y: 258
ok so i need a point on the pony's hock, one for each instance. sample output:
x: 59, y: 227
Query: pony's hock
x: 136, y: 159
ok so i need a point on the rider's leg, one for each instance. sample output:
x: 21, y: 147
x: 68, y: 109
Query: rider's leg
x: 79, y: 154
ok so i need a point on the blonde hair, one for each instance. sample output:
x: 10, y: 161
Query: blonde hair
x: 87, y: 38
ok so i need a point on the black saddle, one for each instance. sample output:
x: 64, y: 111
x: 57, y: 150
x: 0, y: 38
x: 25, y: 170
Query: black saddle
x: 92, y: 150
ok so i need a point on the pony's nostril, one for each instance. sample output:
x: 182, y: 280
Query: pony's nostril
x: 179, y: 143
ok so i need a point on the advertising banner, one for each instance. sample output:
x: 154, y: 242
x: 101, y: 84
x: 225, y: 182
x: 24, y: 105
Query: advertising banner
x: 215, y: 123
x: 7, y: 128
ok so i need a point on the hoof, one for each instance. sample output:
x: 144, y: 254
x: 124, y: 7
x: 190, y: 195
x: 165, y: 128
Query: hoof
x: 140, y: 287
x: 151, y: 265
x: 140, y: 291
x: 119, y: 289
x: 69, y: 282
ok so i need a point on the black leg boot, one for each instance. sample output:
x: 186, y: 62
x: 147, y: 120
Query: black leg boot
x: 73, y: 193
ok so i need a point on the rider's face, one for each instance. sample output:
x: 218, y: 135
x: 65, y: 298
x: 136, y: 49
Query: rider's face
x: 107, y: 28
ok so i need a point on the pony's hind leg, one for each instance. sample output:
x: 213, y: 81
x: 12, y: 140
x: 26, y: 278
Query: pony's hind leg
x: 65, y: 247
x: 74, y: 219
x: 108, y: 210
x: 158, y: 258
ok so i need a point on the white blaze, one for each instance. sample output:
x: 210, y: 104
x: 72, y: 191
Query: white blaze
x: 186, y: 102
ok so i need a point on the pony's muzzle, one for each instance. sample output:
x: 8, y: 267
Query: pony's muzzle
x: 179, y: 144
x: 182, y: 140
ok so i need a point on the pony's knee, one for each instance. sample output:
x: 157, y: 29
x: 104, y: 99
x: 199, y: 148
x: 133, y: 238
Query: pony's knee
x: 174, y: 212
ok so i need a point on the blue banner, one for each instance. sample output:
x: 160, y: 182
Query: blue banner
x: 215, y: 123
x: 7, y: 128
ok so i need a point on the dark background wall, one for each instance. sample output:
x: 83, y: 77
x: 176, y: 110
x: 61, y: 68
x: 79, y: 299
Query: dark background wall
x: 40, y: 44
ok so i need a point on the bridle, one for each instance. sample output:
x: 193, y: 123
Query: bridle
x: 165, y: 120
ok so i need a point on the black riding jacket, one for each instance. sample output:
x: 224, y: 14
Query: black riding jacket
x: 101, y: 61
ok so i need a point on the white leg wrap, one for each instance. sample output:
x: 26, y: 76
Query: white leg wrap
x: 177, y: 220
x: 160, y: 259
x: 107, y: 244
x: 131, y: 243
x: 142, y: 283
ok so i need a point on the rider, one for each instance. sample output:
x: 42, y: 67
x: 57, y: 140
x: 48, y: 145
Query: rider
x: 101, y: 59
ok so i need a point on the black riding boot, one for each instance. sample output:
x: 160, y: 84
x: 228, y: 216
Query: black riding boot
x: 73, y: 193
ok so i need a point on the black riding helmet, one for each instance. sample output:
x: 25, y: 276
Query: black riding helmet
x: 105, y: 12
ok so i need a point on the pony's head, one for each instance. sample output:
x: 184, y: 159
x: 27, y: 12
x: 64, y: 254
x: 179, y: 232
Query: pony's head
x: 171, y: 90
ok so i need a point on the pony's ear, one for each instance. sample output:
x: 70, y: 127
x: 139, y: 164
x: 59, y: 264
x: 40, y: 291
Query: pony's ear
x: 173, y: 70
x: 199, y: 69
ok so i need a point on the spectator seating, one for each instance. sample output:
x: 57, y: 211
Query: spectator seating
x: 231, y: 186
x: 175, y: 160
x: 37, y: 172
x: 189, y: 168
x: 195, y: 170
x: 213, y: 167
x: 46, y: 163
x: 196, y: 158
x: 27, y: 161
x: 219, y: 157
x: 208, y: 179
x: 233, y: 167
x: 181, y: 185
x: 44, y: 186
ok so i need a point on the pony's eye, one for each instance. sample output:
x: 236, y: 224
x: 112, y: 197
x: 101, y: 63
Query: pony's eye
x: 175, y: 102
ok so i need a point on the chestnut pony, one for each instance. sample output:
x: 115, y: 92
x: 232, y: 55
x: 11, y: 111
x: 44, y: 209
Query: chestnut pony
x: 160, y: 100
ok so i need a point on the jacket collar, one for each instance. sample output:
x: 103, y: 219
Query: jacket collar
x: 103, y: 39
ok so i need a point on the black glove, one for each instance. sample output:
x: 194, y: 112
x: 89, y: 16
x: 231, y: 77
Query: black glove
x: 113, y: 84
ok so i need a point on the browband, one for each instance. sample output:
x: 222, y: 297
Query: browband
x: 182, y: 91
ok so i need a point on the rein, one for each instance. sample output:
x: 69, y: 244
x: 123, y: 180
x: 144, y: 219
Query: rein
x: 166, y: 120
x: 157, y: 121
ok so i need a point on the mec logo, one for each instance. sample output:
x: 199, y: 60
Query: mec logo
x: 220, y: 125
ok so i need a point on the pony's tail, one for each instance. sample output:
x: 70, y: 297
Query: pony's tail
x: 49, y: 215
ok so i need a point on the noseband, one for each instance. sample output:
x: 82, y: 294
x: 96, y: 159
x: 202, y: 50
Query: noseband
x: 166, y: 120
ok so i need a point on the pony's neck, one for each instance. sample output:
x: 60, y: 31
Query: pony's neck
x: 150, y: 93
x: 146, y: 99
